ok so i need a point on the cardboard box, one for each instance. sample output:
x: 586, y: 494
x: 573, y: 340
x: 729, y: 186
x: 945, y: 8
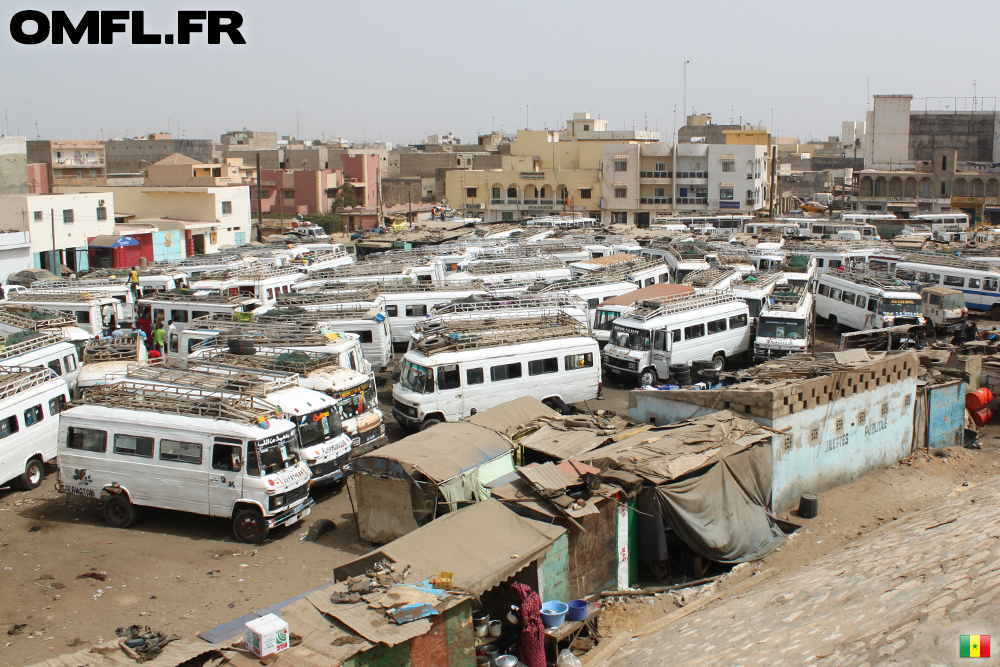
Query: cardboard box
x: 266, y: 635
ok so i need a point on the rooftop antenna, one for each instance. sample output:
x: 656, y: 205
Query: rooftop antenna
x: 37, y: 136
x: 685, y: 87
x: 6, y: 120
x: 297, y: 132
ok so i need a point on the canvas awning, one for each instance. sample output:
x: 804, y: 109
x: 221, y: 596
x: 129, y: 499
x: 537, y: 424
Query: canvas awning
x: 509, y: 417
x: 483, y: 544
x: 110, y: 241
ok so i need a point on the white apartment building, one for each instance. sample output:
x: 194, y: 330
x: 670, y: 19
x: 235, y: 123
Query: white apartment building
x: 73, y: 218
x: 208, y: 217
x: 642, y: 181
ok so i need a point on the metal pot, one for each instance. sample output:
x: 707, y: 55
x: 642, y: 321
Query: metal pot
x: 505, y: 661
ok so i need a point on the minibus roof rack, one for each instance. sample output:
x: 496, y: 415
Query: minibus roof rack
x: 112, y: 350
x: 252, y: 381
x: 519, y: 302
x: 362, y: 292
x: 270, y: 358
x: 208, y: 260
x: 762, y: 280
x: 881, y: 281
x: 15, y: 379
x: 453, y: 335
x: 255, y: 271
x: 192, y: 296
x: 48, y: 319
x: 322, y: 311
x: 151, y: 270
x: 368, y: 268
x: 941, y: 259
x: 82, y: 282
x: 188, y: 401
x: 526, y: 265
x: 788, y: 298
x: 709, y: 278
x: 52, y: 295
x: 40, y: 340
x: 668, y: 305
x: 688, y: 252
x: 415, y: 286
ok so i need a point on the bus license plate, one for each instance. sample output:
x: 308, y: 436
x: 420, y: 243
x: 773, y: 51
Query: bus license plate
x: 615, y: 370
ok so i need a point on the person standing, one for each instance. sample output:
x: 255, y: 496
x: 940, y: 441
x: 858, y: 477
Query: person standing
x: 159, y: 334
x: 171, y: 333
x: 133, y: 281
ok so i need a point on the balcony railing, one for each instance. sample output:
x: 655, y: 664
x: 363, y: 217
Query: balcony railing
x: 530, y: 201
x: 751, y: 202
x: 692, y: 174
x: 656, y: 174
x: 514, y: 201
x: 546, y: 201
x: 655, y: 200
x: 692, y: 200
x: 497, y: 201
x: 78, y: 162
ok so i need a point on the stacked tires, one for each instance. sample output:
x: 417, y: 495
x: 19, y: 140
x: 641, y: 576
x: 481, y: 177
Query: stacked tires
x: 681, y: 373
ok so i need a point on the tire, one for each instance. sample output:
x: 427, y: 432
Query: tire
x: 648, y: 377
x: 678, y: 368
x: 34, y: 473
x: 249, y: 526
x: 718, y: 362
x: 119, y: 512
x: 428, y: 423
x: 558, y: 405
x: 834, y: 324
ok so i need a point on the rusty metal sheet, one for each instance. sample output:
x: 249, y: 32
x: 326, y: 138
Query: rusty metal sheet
x: 858, y: 355
x: 548, y: 476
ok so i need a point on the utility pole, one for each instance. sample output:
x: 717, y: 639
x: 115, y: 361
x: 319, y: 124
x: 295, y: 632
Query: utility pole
x: 260, y: 214
x: 684, y: 109
x: 770, y: 197
x: 55, y: 255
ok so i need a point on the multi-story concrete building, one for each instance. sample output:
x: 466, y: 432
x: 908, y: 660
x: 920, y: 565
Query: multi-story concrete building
x: 944, y: 183
x: 129, y: 156
x: 182, y: 171
x: 204, y: 218
x: 615, y: 176
x: 60, y: 222
x: 300, y: 191
x: 70, y: 162
x: 248, y: 140
x: 13, y: 166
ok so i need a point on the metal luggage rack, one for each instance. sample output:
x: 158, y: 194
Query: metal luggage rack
x: 15, y: 379
x: 41, y: 340
x: 709, y: 278
x: 153, y: 270
x: 788, y: 299
x: 82, y: 282
x: 226, y: 379
x: 763, y: 281
x: 882, y: 281
x: 52, y: 295
x: 367, y: 268
x: 591, y: 279
x: 207, y: 260
x: 269, y: 358
x: 362, y: 292
x: 688, y: 252
x: 320, y: 257
x: 255, y: 271
x: 401, y: 286
x: 53, y: 320
x: 536, y: 263
x: 323, y: 311
x: 830, y: 245
x: 422, y: 251
x: 186, y: 401
x: 467, y: 334
x: 631, y: 267
x: 947, y: 260
x: 190, y: 296
x: 553, y: 300
x: 96, y: 352
x: 650, y: 308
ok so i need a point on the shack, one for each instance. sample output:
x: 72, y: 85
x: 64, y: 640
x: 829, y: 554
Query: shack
x: 840, y: 414
x: 409, y: 483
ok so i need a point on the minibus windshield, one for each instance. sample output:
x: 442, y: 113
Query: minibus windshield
x: 274, y: 453
x: 632, y: 340
x: 319, y: 426
x: 357, y: 400
x: 416, y: 378
x: 899, y: 306
x: 773, y: 327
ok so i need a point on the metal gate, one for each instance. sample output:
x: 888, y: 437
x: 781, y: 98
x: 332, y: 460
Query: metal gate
x: 946, y: 414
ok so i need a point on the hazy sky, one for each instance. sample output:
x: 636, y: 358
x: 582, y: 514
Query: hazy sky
x: 402, y: 70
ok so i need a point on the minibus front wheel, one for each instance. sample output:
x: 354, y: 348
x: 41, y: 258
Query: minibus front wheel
x: 119, y: 512
x: 250, y: 526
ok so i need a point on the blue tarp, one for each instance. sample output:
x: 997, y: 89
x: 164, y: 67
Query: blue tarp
x: 108, y: 241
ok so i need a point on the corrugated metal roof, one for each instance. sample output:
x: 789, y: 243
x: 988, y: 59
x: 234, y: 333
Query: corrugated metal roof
x: 548, y: 476
x: 562, y: 444
x: 852, y: 356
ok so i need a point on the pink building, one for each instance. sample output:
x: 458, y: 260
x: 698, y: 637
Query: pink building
x: 38, y: 178
x: 297, y: 192
x: 362, y: 170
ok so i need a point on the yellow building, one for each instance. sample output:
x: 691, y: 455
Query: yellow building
x: 749, y: 135
x: 181, y: 171
x: 546, y: 173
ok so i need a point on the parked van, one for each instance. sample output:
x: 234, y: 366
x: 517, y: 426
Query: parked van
x: 978, y: 280
x: 408, y: 304
x: 118, y: 288
x: 373, y: 270
x: 184, y: 307
x: 48, y: 349
x: 613, y: 308
x: 681, y: 258
x: 546, y: 269
x: 677, y: 330
x: 106, y: 359
x: 754, y: 290
x: 132, y: 447
x: 259, y: 282
x: 321, y: 441
x: 30, y: 402
x: 94, y: 311
x: 151, y: 280
x: 862, y: 300
x: 461, y: 368
x: 475, y: 309
x: 784, y: 322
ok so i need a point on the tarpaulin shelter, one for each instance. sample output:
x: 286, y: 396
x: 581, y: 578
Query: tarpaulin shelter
x: 113, y: 252
x: 408, y: 483
x: 710, y: 483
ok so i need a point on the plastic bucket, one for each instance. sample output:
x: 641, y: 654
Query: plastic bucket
x: 578, y: 610
x: 554, y: 613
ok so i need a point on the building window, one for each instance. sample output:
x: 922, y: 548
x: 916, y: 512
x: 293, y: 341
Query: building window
x: 661, y: 166
x: 288, y: 194
x: 619, y: 218
x: 726, y: 194
x: 727, y: 165
x: 621, y: 193
x: 266, y: 194
x: 586, y: 128
x: 507, y: 215
x: 495, y: 193
x: 512, y: 192
x: 944, y: 162
x: 102, y: 213
x: 584, y: 193
x: 943, y: 192
x: 471, y: 192
x: 227, y: 208
x: 659, y: 192
x: 621, y: 165
x: 38, y: 216
x: 68, y: 215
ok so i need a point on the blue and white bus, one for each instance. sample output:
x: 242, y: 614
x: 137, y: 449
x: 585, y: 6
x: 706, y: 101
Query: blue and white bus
x: 979, y: 281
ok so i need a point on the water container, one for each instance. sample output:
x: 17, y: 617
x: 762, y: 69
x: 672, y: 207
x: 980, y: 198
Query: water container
x: 982, y: 416
x: 978, y: 399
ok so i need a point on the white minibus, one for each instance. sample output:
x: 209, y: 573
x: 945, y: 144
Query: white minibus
x: 30, y: 402
x: 862, y: 300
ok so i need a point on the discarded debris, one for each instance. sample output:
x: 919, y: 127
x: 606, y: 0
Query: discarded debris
x: 16, y: 629
x: 319, y: 528
x: 34, y: 529
x: 100, y: 576
x: 343, y: 640
x: 141, y: 643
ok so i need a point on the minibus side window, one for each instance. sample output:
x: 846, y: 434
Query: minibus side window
x: 157, y: 312
x: 56, y: 368
x: 87, y: 439
x: 195, y: 314
x: 474, y: 376
x: 861, y: 301
x: 134, y: 445
x: 717, y: 326
x: 184, y: 452
x: 574, y: 361
x: 33, y: 415
x: 69, y: 361
x: 543, y: 366
x: 179, y: 315
x: 872, y: 304
x: 449, y: 377
x: 57, y: 405
x: 366, y: 336
x: 8, y: 426
x: 392, y: 310
x: 83, y: 317
x: 253, y: 467
x: 227, y: 457
x: 416, y: 311
x: 737, y: 321
x: 505, y: 372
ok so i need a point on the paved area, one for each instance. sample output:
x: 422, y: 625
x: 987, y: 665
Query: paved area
x: 903, y: 594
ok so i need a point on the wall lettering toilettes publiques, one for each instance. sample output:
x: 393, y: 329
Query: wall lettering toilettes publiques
x: 32, y: 26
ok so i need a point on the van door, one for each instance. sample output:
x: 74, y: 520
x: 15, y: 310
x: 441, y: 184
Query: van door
x: 661, y: 351
x: 449, y: 392
x: 225, y: 479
